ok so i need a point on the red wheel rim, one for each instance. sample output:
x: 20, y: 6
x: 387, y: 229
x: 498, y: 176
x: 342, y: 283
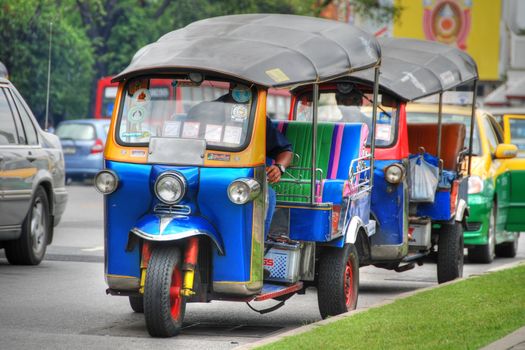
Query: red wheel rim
x: 349, y: 283
x: 175, y: 297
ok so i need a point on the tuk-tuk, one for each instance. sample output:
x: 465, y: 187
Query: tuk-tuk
x: 186, y: 192
x: 419, y: 199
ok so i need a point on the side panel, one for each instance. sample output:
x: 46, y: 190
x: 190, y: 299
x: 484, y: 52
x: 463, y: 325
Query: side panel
x: 516, y: 213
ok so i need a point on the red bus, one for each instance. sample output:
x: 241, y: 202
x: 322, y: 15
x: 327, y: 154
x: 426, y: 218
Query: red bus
x: 277, y: 103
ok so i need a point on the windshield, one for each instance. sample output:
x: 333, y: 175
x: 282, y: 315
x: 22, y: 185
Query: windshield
x: 421, y: 117
x: 216, y: 111
x: 351, y: 107
x: 517, y: 134
x: 79, y: 132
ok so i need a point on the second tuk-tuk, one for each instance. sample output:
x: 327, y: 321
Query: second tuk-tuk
x: 186, y: 189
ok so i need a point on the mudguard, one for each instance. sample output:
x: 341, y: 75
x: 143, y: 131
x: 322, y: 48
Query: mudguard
x: 162, y: 228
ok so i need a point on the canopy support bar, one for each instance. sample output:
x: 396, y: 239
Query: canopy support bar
x: 472, y: 126
x: 315, y: 99
x: 374, y: 122
x: 440, y: 126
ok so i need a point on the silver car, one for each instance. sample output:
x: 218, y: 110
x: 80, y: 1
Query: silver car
x: 32, y: 181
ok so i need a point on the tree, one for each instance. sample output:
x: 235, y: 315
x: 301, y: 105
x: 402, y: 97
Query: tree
x: 24, y: 33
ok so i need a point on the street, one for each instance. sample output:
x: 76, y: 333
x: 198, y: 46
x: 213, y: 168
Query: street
x: 62, y: 304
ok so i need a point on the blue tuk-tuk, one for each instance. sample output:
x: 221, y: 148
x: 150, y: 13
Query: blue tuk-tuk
x: 185, y: 183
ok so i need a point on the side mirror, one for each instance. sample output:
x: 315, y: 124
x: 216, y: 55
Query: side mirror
x: 505, y: 151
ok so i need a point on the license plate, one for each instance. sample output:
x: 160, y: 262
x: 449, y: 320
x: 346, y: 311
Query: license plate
x: 69, y: 150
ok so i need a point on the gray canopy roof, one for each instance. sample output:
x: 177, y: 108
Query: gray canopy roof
x: 267, y: 49
x: 412, y: 69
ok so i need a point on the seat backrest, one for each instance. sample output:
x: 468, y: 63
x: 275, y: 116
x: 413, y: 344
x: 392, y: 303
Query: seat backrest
x: 337, y: 145
x: 452, y: 141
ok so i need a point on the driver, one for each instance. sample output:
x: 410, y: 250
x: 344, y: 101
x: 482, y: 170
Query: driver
x: 349, y: 101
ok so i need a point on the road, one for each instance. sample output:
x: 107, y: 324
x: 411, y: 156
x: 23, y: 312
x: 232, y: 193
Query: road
x: 61, y: 304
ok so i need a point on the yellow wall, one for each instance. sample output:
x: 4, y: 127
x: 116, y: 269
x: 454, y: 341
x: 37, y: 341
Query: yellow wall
x: 482, y: 40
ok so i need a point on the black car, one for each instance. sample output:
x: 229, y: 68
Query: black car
x: 32, y: 181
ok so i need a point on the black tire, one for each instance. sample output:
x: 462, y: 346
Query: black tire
x: 338, y: 281
x: 164, y: 312
x: 137, y: 304
x: 30, y: 248
x: 450, y: 252
x: 508, y: 249
x: 485, y: 253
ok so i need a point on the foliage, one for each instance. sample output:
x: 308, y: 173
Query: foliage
x: 24, y: 33
x: 466, y: 315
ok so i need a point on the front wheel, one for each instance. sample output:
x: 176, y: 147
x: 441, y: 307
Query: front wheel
x: 338, y: 282
x: 164, y: 306
x: 30, y: 248
x: 450, y: 252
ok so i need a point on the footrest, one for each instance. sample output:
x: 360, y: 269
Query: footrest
x: 270, y: 291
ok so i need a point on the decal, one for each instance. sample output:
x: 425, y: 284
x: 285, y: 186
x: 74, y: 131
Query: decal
x: 141, y: 96
x: 219, y: 156
x: 277, y: 75
x: 135, y: 134
x: 447, y: 78
x: 239, y: 113
x: 137, y: 114
x: 137, y: 153
x: 232, y: 134
x: 241, y: 94
x: 171, y: 129
x: 213, y: 133
x: 190, y: 130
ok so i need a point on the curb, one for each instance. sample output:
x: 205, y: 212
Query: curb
x: 314, y: 325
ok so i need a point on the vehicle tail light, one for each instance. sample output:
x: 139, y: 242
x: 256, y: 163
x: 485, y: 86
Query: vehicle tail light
x: 97, y: 147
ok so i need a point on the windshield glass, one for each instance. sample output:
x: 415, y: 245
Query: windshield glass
x: 84, y: 132
x: 350, y: 107
x: 420, y: 117
x: 216, y: 111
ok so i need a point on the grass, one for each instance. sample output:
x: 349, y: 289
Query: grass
x: 465, y: 315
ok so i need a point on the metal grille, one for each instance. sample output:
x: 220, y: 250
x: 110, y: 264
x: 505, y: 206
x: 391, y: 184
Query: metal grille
x: 473, y: 226
x: 172, y: 209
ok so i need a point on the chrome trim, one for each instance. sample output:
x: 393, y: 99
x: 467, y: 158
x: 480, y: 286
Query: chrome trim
x: 179, y: 177
x: 253, y: 185
x: 123, y: 282
x: 460, y: 210
x: 397, y: 165
x: 238, y: 288
x: 172, y: 209
x: 9, y: 195
x: 176, y: 236
x: 389, y: 252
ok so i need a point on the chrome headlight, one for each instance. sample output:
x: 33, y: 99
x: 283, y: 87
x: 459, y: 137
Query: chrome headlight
x: 475, y: 184
x: 170, y: 187
x: 394, y: 173
x: 243, y: 190
x: 106, y: 181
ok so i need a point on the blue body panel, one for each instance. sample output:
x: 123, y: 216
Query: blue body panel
x: 310, y: 225
x: 439, y: 210
x: 206, y: 195
x: 333, y: 191
x: 387, y: 205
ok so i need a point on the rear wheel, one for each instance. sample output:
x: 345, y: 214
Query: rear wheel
x: 485, y: 253
x: 508, y: 249
x: 30, y: 248
x: 164, y: 306
x: 450, y: 252
x: 137, y: 304
x: 338, y: 281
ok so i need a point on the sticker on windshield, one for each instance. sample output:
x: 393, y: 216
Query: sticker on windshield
x: 232, y: 134
x: 213, y: 133
x: 190, y: 130
x: 384, y: 118
x: 137, y: 114
x: 171, y: 128
x: 141, y: 96
x: 239, y: 113
x: 383, y: 132
x: 241, y: 94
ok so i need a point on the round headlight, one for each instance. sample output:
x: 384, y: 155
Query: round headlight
x: 170, y: 188
x: 394, y: 173
x: 242, y: 191
x: 106, y: 181
x: 475, y: 184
